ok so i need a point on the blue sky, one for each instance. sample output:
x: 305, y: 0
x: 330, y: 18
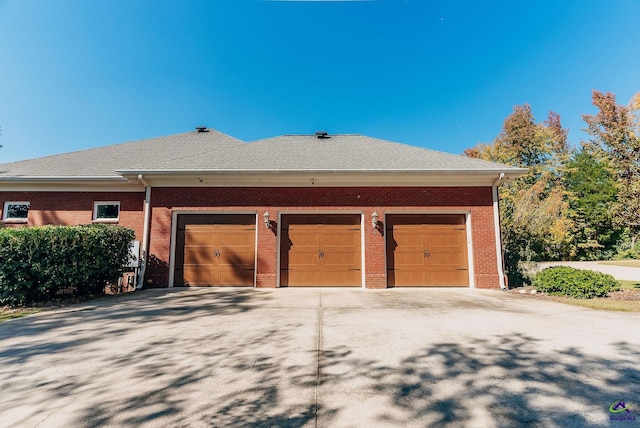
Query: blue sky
x: 76, y: 74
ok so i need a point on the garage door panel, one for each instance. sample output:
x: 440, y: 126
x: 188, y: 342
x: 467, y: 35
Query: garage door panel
x: 407, y: 259
x: 198, y: 255
x: 441, y: 239
x: 227, y: 257
x: 427, y: 250
x: 449, y: 278
x: 199, y: 275
x: 237, y: 240
x: 303, y: 236
x: 301, y: 259
x: 344, y: 240
x: 200, y: 235
x: 340, y: 259
x: 303, y: 278
x: 414, y: 239
x: 238, y: 277
x: 447, y: 258
x: 211, y: 253
x: 407, y: 278
x: 347, y: 277
x: 203, y: 276
x: 320, y: 250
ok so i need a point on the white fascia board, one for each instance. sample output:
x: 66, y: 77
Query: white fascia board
x: 69, y: 184
x: 35, y: 178
x: 321, y: 178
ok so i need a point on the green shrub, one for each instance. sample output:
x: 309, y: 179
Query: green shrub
x: 570, y: 282
x: 38, y: 262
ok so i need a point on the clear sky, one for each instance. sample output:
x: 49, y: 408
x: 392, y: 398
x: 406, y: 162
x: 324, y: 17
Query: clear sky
x: 77, y: 74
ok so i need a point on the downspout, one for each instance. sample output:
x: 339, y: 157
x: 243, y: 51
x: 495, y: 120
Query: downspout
x: 498, y: 234
x: 145, y: 231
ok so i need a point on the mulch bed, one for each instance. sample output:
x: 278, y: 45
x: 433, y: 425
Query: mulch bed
x: 628, y: 295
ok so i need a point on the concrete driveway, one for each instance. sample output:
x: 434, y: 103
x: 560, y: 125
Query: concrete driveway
x: 319, y: 357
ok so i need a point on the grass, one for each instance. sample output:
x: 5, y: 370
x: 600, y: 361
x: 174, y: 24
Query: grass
x: 629, y: 285
x: 625, y: 263
x: 604, y: 304
x: 9, y: 314
x: 609, y: 304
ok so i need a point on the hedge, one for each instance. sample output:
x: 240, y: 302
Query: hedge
x: 37, y: 263
x: 570, y: 282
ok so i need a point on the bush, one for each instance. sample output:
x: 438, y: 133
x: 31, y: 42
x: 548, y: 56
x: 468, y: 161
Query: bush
x: 40, y: 262
x: 570, y: 282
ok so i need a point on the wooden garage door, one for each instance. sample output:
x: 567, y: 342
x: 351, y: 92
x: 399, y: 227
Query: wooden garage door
x: 320, y: 250
x: 427, y: 250
x: 215, y: 250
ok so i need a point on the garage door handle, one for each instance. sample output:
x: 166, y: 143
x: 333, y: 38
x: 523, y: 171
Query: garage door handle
x: 216, y: 253
x: 320, y: 253
x: 427, y: 254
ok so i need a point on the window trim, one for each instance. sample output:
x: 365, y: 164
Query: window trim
x: 5, y: 212
x: 96, y: 204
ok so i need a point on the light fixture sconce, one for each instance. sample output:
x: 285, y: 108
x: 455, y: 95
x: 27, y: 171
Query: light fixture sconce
x: 267, y: 223
x: 374, y: 220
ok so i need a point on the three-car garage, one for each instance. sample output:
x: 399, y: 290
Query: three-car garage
x: 322, y: 250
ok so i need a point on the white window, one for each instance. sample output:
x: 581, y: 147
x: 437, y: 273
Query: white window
x: 15, y: 211
x: 106, y: 211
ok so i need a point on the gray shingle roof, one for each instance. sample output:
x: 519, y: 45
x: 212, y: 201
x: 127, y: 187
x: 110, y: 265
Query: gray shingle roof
x: 215, y: 151
x: 105, y: 161
x: 337, y: 153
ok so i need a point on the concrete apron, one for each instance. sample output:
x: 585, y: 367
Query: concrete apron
x: 318, y: 357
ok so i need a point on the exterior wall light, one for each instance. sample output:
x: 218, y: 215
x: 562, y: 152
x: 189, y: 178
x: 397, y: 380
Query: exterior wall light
x: 267, y: 223
x: 374, y: 220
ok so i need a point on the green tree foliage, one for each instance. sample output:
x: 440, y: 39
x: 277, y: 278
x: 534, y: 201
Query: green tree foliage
x: 534, y: 208
x: 37, y: 262
x: 615, y: 132
x: 593, y: 189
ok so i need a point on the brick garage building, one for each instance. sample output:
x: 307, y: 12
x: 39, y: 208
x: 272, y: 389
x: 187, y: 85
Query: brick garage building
x: 295, y: 210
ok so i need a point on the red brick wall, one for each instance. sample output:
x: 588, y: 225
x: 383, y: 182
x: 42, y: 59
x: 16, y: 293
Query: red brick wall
x: 67, y: 208
x: 72, y: 208
x: 476, y: 200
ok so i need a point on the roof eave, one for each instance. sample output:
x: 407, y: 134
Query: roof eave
x: 336, y: 178
x: 69, y: 184
x: 78, y: 178
x: 508, y: 171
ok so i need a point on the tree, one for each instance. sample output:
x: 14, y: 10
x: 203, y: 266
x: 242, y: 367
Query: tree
x: 593, y: 189
x: 533, y: 208
x: 615, y: 132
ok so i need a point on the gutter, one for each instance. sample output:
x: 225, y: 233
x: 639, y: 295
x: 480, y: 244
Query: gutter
x: 170, y: 172
x: 145, y: 231
x: 498, y: 234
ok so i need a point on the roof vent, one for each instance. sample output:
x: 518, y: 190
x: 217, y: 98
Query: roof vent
x: 202, y: 129
x: 322, y: 134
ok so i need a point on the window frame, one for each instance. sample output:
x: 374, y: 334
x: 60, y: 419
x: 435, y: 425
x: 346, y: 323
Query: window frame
x: 96, y: 204
x: 5, y: 212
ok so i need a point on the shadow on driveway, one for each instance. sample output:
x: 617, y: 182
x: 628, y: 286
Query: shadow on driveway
x: 242, y: 357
